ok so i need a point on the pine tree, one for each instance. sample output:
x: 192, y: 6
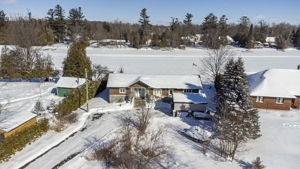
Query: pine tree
x: 175, y: 38
x: 56, y: 21
x: 76, y: 22
x: 296, y: 38
x: 238, y: 120
x: 145, y: 26
x: 257, y: 164
x: 209, y: 30
x: 188, y: 24
x: 250, y: 43
x: 3, y: 21
x: 38, y: 108
x: 243, y: 31
x: 77, y: 61
x: 223, y: 30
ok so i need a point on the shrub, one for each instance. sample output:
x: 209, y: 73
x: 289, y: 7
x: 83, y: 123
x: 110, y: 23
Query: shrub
x: 76, y: 98
x: 18, y: 141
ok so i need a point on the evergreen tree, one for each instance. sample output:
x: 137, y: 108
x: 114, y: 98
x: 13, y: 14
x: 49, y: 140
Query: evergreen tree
x: 77, y: 61
x: 3, y: 21
x: 210, y: 32
x: 250, y: 43
x: 188, y: 24
x: 262, y: 32
x: 238, y: 120
x: 257, y: 164
x: 175, y: 38
x: 56, y: 21
x: 76, y: 22
x: 38, y: 107
x: 223, y: 30
x: 296, y: 38
x: 145, y: 26
x: 243, y: 31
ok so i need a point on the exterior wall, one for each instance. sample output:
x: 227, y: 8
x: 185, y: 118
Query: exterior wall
x: 270, y: 103
x: 201, y: 107
x: 20, y: 128
x: 63, y: 92
x: 296, y: 102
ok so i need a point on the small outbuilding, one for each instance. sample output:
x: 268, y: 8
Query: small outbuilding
x: 189, y: 102
x: 15, y: 122
x: 66, y: 84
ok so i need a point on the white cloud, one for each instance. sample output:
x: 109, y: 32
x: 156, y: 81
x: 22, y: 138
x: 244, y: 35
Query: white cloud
x: 259, y: 17
x: 8, y: 2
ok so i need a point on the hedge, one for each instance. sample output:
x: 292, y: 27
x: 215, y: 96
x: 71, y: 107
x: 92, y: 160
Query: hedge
x: 76, y: 98
x: 14, y: 143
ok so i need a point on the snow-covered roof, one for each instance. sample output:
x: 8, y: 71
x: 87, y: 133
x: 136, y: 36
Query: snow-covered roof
x: 155, y: 81
x: 10, y: 121
x: 275, y: 83
x: 270, y: 39
x: 112, y: 40
x: 189, y: 98
x: 70, y: 82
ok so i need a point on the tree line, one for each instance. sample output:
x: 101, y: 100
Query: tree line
x: 56, y: 26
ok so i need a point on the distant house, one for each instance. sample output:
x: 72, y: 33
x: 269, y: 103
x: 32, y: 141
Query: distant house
x: 185, y: 102
x: 128, y: 86
x: 66, y: 84
x: 270, y: 41
x: 112, y: 42
x: 14, y: 122
x: 275, y: 89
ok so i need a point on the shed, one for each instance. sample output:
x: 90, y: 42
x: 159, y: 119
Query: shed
x: 66, y: 84
x: 185, y: 102
x: 14, y: 122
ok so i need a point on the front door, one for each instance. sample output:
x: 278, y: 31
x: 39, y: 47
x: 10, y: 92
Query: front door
x: 139, y: 92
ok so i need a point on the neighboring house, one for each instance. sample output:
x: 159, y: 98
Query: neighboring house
x: 124, y: 87
x: 66, y: 84
x: 270, y: 41
x: 275, y: 89
x: 112, y: 42
x: 185, y: 102
x: 15, y: 122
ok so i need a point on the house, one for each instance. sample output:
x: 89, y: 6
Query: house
x: 124, y: 87
x: 270, y: 41
x: 275, y: 89
x: 193, y: 102
x: 14, y: 122
x: 66, y: 84
x: 112, y: 42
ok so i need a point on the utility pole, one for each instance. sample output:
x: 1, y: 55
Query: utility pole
x: 87, y: 91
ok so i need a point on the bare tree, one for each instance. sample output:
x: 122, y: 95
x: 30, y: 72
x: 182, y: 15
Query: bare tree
x: 134, y: 149
x: 213, y: 64
x: 99, y: 71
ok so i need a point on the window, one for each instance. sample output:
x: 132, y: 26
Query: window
x: 122, y: 90
x: 279, y: 100
x: 157, y: 92
x: 171, y: 92
x: 190, y: 91
x: 187, y: 91
x: 259, y: 99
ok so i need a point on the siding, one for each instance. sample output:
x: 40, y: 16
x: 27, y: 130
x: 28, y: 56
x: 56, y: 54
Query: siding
x: 63, y: 92
x: 270, y: 103
x: 296, y: 102
x: 201, y: 107
x: 20, y: 128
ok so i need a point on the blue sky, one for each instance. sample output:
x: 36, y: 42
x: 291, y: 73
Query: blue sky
x: 161, y: 11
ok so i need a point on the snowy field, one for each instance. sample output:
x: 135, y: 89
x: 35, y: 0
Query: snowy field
x: 150, y: 61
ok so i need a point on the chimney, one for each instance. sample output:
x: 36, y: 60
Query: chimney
x: 298, y: 67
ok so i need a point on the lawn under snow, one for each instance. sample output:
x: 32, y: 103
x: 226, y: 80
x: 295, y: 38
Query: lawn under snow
x: 279, y: 145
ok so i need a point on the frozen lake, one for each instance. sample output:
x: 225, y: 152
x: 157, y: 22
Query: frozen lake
x: 176, y: 61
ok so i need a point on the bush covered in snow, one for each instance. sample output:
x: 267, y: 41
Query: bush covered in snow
x: 76, y: 98
x: 18, y: 141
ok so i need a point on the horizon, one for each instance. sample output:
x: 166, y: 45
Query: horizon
x: 161, y: 12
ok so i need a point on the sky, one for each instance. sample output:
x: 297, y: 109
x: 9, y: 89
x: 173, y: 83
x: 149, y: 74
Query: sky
x: 161, y: 11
